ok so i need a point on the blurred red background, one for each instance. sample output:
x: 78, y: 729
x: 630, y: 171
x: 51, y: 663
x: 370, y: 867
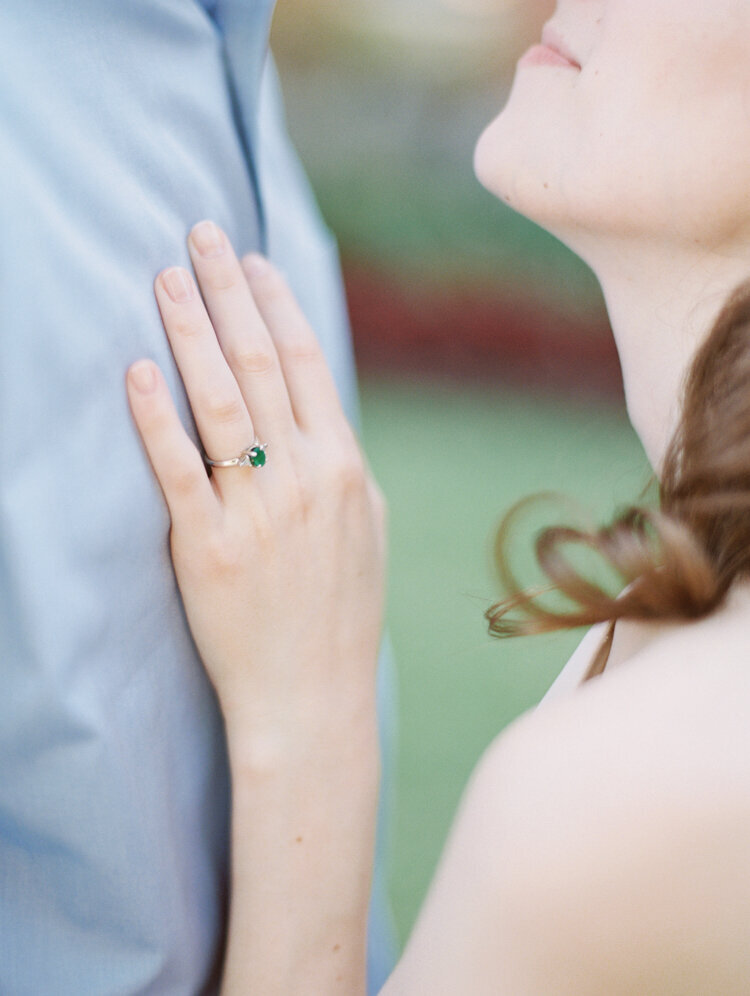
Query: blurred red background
x: 385, y: 101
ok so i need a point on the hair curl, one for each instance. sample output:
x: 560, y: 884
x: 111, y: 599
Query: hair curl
x: 677, y: 561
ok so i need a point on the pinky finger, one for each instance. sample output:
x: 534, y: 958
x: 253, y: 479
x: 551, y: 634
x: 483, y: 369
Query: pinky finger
x: 176, y: 463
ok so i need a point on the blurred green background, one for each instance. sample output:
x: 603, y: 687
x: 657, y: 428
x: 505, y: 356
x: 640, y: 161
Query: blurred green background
x: 385, y: 102
x: 486, y: 363
x: 450, y: 459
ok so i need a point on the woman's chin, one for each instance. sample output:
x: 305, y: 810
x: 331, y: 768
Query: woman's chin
x: 505, y: 171
x: 525, y: 176
x: 483, y: 161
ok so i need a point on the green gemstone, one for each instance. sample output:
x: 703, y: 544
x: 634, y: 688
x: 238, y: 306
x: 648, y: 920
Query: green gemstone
x: 257, y: 457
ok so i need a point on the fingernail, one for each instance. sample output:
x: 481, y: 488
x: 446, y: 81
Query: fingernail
x: 255, y: 264
x: 178, y: 284
x: 143, y: 376
x: 208, y: 239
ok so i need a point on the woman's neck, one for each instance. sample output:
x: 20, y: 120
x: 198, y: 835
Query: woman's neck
x: 662, y: 303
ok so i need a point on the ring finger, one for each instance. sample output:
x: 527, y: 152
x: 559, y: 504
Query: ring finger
x: 223, y: 421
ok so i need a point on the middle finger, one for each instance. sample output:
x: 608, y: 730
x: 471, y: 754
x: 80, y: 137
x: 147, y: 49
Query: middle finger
x: 242, y: 334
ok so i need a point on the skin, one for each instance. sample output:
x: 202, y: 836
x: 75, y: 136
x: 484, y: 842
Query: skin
x: 281, y: 573
x: 602, y: 845
x: 640, y: 163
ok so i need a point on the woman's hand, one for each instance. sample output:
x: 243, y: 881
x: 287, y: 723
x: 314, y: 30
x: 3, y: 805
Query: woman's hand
x: 281, y: 572
x: 281, y: 567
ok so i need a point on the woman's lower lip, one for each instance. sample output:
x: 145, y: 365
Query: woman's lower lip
x: 541, y: 55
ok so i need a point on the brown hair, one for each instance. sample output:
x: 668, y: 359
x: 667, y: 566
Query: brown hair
x: 678, y: 560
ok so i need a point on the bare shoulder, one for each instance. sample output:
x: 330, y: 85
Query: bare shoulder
x: 603, y: 842
x: 628, y: 803
x: 678, y: 705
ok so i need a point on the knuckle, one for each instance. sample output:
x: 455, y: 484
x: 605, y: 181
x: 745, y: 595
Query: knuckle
x: 254, y: 361
x: 288, y: 511
x: 304, y: 496
x: 222, y: 558
x: 349, y: 471
x: 184, y: 483
x: 301, y: 349
x: 265, y: 533
x: 220, y: 278
x: 223, y: 409
x: 296, y: 500
x: 189, y: 328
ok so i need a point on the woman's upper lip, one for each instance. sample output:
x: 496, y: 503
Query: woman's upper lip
x: 552, y: 40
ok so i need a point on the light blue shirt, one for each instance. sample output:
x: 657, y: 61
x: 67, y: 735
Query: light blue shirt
x: 122, y: 123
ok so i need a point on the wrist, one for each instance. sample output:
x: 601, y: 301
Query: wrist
x: 304, y: 812
x: 264, y: 744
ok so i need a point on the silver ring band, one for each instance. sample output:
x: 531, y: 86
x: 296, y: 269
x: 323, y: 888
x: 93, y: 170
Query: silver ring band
x: 252, y: 456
